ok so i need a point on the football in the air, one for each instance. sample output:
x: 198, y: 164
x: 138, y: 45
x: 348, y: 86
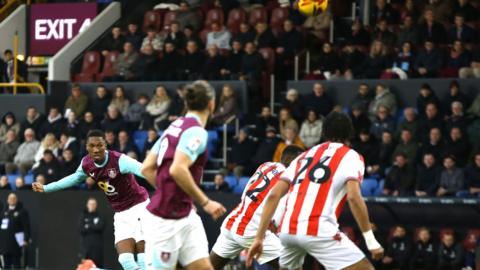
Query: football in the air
x: 312, y: 7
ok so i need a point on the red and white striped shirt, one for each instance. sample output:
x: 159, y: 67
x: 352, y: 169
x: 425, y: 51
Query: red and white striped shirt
x: 245, y: 218
x: 317, y: 188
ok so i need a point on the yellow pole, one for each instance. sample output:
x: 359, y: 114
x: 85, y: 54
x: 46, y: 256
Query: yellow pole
x: 15, y: 64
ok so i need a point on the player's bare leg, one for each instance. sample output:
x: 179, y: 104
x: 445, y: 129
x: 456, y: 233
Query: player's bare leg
x: 126, y: 250
x: 200, y: 264
x: 217, y: 261
x: 361, y: 265
x: 140, y: 250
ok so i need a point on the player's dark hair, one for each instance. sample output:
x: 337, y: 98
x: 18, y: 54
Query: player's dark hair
x: 198, y: 94
x: 337, y: 127
x: 290, y: 153
x: 96, y: 133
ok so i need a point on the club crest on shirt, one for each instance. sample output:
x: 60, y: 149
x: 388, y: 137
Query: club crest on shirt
x: 165, y: 256
x: 112, y: 173
x: 194, y: 144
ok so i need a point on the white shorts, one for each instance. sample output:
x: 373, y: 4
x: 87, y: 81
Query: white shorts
x: 169, y: 241
x: 333, y: 254
x: 127, y: 223
x: 229, y: 245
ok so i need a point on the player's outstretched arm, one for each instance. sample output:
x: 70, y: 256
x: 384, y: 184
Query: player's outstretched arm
x: 360, y: 213
x: 69, y: 181
x: 179, y: 170
x: 278, y: 191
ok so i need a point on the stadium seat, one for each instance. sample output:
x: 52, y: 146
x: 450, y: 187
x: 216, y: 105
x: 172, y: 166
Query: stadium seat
x: 471, y: 239
x: 242, y: 183
x: 278, y: 16
x: 152, y: 19
x: 379, y: 190
x: 212, y: 142
x: 11, y: 180
x: 214, y: 16
x: 168, y: 18
x: 108, y: 66
x: 369, y: 186
x: 90, y: 67
x: 235, y: 18
x: 231, y: 181
x: 140, y: 138
x: 257, y: 15
x: 29, y: 179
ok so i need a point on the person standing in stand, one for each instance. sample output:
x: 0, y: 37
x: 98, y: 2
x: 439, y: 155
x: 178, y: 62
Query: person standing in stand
x: 92, y: 226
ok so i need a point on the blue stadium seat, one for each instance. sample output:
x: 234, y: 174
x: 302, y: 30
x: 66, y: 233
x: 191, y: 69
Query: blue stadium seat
x: 242, y: 183
x: 212, y: 142
x: 11, y: 180
x: 231, y: 181
x: 29, y: 179
x: 369, y: 186
x: 140, y: 137
x: 379, y: 190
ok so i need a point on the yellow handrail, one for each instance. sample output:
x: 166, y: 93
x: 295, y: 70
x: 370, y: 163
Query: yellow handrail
x: 15, y: 85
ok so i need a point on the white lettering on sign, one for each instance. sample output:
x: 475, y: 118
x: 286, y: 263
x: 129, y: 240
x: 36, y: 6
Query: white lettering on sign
x: 46, y: 29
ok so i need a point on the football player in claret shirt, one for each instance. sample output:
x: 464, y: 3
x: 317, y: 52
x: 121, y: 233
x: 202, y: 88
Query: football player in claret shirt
x: 113, y: 172
x: 318, y: 182
x: 175, y: 166
x: 239, y: 228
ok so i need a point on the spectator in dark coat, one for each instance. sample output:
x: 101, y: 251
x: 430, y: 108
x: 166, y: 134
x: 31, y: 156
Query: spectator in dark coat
x: 111, y: 139
x: 227, y: 106
x: 461, y: 31
x: 383, y: 10
x: 125, y: 145
x: 328, y: 63
x: 383, y: 122
x: 175, y: 36
x: 368, y: 147
x: 92, y: 226
x: 408, y: 32
x: 429, y: 61
x: 54, y: 124
x: 220, y: 184
x: 363, y: 97
x: 290, y: 41
x: 134, y: 36
x: 295, y: 105
x: 176, y: 108
x: 398, y: 250
x: 458, y: 146
x: 4, y: 184
x: 193, y: 62
x: 452, y: 178
x: 113, y: 120
x: 147, y: 64
x: 432, y: 30
x: 266, y: 148
x: 428, y: 176
x: 360, y: 120
x: 16, y: 222
x: 454, y: 94
x: 457, y: 118
x: 136, y: 112
x: 8, y: 150
x: 113, y: 42
x: 86, y: 124
x: 246, y: 34
x: 465, y: 8
x: 34, y: 120
x: 49, y: 167
x: 152, y: 137
x: 457, y: 58
x: 100, y: 102
x: 264, y: 120
x: 69, y: 164
x: 450, y: 254
x: 405, y: 59
x: 425, y: 97
x: 431, y: 119
x: 424, y: 253
x: 407, y: 146
x: 410, y: 123
x: 233, y: 63
x: 376, y: 62
x: 319, y: 100
x: 213, y: 64
x: 243, y: 148
x: 400, y: 181
x: 472, y: 175
x: 434, y: 145
x: 383, y: 34
x: 124, y: 64
x: 252, y: 66
x: 385, y: 151
x: 359, y: 35
x: 352, y: 60
x: 171, y: 63
x: 264, y: 37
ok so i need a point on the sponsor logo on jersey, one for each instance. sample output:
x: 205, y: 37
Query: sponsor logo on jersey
x: 107, y: 188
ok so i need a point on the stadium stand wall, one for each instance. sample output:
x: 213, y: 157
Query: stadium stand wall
x: 57, y: 217
x: 18, y: 104
x: 15, y: 22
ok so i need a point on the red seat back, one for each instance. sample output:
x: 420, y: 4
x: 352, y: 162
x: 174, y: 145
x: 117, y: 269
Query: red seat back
x: 278, y: 16
x: 109, y: 65
x: 235, y: 18
x: 152, y: 19
x: 214, y: 16
x: 258, y: 15
x: 91, y: 62
x: 471, y: 239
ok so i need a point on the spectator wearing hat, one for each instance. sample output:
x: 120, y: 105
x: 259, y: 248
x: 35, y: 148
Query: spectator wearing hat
x: 8, y: 123
x: 243, y: 148
x: 400, y: 181
x: 428, y: 176
x: 266, y: 147
x: 290, y: 138
x: 452, y: 178
x: 311, y: 129
x: 424, y: 251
